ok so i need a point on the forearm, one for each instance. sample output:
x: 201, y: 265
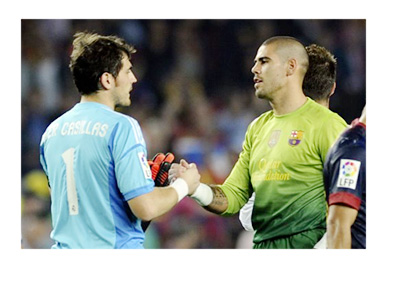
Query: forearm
x: 338, y: 236
x: 219, y: 203
x: 158, y: 202
x: 216, y: 199
x: 340, y: 220
x: 164, y: 200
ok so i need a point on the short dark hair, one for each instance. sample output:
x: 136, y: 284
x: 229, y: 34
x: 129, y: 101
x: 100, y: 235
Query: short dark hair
x: 274, y: 39
x: 321, y: 73
x: 289, y: 46
x: 94, y: 55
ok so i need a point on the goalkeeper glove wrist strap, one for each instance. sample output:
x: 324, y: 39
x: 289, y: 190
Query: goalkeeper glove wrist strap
x: 181, y: 188
x: 203, y: 195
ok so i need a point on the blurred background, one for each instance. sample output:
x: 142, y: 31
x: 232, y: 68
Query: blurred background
x: 194, y: 97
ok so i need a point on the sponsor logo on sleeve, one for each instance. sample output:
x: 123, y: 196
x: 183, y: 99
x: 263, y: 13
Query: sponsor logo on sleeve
x: 145, y: 166
x: 348, y: 173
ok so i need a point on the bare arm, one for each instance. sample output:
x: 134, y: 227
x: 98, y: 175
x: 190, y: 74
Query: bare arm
x: 162, y: 199
x: 340, y: 220
x: 154, y: 204
x: 219, y: 203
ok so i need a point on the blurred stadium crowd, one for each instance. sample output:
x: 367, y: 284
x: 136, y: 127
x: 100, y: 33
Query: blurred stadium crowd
x: 194, y: 97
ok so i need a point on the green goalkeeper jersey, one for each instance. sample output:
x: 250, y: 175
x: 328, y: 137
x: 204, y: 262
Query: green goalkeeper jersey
x: 282, y: 162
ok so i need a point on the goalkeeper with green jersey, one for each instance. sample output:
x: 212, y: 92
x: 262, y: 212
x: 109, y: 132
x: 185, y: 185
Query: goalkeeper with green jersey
x: 319, y: 84
x: 282, y: 157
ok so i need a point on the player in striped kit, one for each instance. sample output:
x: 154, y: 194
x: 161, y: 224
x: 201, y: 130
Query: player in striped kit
x: 96, y: 159
x: 345, y: 184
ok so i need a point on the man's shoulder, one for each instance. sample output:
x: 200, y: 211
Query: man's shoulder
x: 353, y: 137
x: 320, y: 109
x: 101, y: 113
x: 261, y: 119
x: 324, y: 114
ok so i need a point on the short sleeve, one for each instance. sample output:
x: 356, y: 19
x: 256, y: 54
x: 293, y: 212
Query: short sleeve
x: 333, y: 126
x: 42, y: 159
x: 129, y: 152
x: 346, y: 177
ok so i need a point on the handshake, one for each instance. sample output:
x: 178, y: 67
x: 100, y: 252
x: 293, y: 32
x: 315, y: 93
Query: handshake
x: 165, y: 172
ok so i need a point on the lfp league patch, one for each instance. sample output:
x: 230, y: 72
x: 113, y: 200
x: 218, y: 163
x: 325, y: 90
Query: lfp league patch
x: 145, y: 166
x: 348, y: 173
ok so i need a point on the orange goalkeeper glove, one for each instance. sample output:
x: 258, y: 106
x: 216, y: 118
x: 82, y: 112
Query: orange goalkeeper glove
x: 160, y: 166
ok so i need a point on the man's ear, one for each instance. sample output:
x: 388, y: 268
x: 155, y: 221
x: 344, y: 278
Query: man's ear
x: 107, y: 80
x: 333, y: 89
x: 291, y: 67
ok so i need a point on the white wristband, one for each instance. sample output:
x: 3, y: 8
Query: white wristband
x: 203, y: 195
x: 181, y: 188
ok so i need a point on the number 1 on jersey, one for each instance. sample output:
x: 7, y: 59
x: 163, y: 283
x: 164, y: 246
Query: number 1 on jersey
x: 72, y: 196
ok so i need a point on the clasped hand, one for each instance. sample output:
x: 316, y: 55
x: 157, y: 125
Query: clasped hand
x: 186, y: 171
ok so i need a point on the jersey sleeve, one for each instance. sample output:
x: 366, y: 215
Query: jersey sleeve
x: 41, y: 157
x: 132, y: 172
x: 332, y: 127
x: 49, y: 132
x: 237, y: 187
x: 345, y: 178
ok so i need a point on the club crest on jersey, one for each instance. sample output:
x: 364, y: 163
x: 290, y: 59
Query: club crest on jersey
x: 295, y: 137
x: 274, y: 138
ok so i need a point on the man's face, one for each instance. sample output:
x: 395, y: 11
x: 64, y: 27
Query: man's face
x: 269, y: 72
x: 123, y: 84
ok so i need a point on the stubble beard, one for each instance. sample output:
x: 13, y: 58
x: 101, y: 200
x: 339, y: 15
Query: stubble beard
x: 119, y: 104
x: 269, y: 92
x: 121, y: 101
x: 262, y: 94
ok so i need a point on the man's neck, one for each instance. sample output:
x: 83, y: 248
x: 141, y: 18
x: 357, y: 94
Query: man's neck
x: 288, y: 103
x: 98, y: 97
x: 323, y: 102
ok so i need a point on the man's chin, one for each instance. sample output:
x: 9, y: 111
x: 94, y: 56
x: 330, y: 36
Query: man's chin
x: 260, y: 94
x: 123, y: 104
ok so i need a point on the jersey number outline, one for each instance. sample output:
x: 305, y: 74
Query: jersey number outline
x: 72, y: 195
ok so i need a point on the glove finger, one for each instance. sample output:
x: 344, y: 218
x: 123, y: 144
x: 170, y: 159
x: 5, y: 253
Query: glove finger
x: 158, y: 158
x: 154, y: 171
x: 162, y: 176
x: 169, y: 157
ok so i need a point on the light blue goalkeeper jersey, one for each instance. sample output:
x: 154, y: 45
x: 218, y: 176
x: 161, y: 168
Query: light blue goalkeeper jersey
x: 96, y: 161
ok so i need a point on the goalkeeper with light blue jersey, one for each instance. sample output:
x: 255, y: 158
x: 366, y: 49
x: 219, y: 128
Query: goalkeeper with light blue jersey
x: 96, y: 159
x: 282, y: 157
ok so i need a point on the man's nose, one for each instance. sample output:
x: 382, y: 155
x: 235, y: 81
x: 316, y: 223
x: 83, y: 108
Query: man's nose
x: 134, y: 79
x: 255, y: 69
